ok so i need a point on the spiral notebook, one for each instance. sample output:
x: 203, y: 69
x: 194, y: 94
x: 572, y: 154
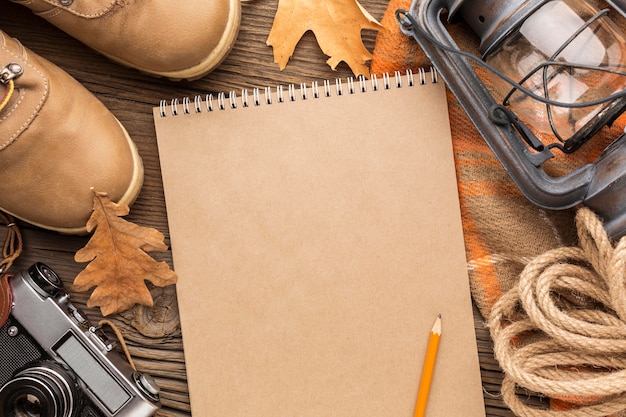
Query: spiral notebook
x: 316, y: 233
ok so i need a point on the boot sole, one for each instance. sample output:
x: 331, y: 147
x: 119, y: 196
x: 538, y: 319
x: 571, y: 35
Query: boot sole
x: 128, y: 198
x: 221, y: 51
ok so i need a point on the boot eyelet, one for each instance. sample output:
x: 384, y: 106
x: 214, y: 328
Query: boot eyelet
x: 66, y: 2
x: 10, y: 71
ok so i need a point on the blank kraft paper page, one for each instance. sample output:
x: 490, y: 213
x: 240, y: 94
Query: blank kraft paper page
x: 315, y: 242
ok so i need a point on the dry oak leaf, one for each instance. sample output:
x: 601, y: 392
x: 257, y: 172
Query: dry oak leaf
x: 337, y: 26
x: 119, y: 264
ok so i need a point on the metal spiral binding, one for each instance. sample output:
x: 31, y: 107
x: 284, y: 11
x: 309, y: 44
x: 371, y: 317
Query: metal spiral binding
x: 265, y: 95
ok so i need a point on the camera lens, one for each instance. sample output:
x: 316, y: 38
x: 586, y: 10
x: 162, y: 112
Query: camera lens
x: 42, y: 390
x: 27, y: 405
x: 45, y: 278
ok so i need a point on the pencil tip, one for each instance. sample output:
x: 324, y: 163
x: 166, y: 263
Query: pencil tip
x: 437, y: 325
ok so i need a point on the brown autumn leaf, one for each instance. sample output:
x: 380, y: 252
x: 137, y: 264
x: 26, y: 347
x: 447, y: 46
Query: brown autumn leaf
x: 119, y: 264
x: 337, y: 26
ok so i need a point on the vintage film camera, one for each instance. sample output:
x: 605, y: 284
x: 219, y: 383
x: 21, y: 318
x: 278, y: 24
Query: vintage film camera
x: 54, y: 363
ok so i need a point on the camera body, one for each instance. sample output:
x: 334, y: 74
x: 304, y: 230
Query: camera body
x: 54, y: 363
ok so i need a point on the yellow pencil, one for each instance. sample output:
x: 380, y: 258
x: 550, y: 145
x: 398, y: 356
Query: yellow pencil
x: 429, y: 366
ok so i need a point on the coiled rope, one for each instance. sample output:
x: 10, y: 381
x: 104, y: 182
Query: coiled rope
x: 561, y: 331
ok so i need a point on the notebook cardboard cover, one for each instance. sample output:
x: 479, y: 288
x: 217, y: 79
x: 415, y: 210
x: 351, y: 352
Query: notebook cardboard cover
x: 315, y: 242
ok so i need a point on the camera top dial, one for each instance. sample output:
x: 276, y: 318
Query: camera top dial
x: 48, y: 283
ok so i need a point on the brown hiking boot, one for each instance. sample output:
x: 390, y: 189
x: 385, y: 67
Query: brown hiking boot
x: 57, y: 143
x: 183, y: 39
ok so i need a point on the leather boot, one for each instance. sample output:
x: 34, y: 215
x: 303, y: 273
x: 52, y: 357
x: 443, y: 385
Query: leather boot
x: 183, y: 39
x: 57, y: 143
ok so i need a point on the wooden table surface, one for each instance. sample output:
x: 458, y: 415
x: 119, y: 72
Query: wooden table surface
x: 153, y: 335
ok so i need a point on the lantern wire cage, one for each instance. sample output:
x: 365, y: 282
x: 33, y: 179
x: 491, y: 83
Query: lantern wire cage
x: 549, y: 69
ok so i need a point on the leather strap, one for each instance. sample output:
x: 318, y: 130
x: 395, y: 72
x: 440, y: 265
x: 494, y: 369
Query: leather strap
x: 6, y: 299
x: 12, y: 247
x: 10, y: 251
